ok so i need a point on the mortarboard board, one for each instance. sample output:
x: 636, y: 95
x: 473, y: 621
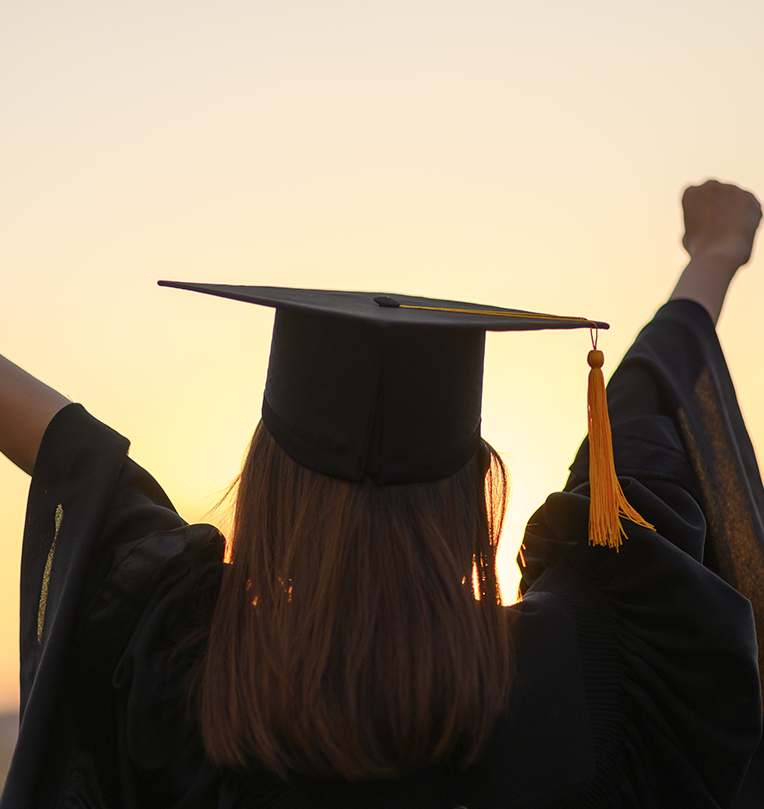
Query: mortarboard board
x: 388, y: 387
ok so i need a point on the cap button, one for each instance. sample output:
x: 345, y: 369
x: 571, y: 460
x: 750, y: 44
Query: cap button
x: 386, y: 301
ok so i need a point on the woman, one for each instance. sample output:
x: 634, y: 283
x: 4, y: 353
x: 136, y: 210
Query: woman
x: 353, y: 652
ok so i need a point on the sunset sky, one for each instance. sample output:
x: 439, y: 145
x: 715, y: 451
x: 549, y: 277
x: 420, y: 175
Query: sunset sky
x: 527, y: 155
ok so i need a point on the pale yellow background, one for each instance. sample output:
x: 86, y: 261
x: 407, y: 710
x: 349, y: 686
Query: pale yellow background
x: 523, y: 154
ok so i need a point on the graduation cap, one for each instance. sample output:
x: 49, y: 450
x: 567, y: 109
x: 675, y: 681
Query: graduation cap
x: 365, y: 385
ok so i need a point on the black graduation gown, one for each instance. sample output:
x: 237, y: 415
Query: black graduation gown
x: 637, y: 679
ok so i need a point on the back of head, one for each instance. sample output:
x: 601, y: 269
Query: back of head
x: 359, y: 630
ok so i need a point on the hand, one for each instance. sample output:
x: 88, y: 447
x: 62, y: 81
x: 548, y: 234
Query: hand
x: 720, y: 222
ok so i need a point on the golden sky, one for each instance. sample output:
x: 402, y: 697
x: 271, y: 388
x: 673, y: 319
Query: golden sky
x: 527, y: 155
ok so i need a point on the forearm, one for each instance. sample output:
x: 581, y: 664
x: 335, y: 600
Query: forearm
x: 26, y: 408
x: 706, y: 280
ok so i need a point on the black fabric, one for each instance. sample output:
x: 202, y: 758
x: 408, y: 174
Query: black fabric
x: 353, y: 400
x: 636, y: 682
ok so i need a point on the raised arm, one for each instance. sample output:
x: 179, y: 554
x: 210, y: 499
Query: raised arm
x: 26, y: 408
x: 720, y: 226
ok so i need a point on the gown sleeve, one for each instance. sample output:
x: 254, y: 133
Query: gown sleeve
x: 684, y: 655
x: 91, y: 510
x: 690, y: 388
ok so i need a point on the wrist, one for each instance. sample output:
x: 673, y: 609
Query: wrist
x: 716, y: 261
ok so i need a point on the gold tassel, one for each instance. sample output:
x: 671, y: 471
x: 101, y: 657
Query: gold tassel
x: 608, y: 502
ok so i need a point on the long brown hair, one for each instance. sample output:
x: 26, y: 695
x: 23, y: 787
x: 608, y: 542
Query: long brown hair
x: 359, y: 630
